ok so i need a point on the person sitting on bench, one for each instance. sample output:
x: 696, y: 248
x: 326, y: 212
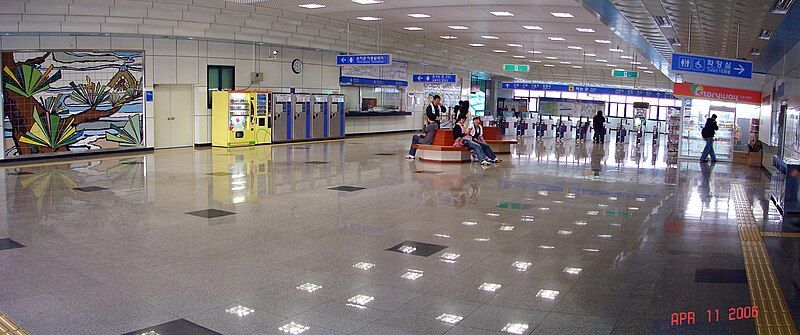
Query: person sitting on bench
x: 465, y: 139
x: 425, y: 138
x: 476, y: 132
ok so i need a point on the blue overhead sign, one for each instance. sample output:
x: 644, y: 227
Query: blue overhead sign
x: 355, y: 81
x: 586, y: 89
x: 375, y: 59
x: 434, y: 78
x: 712, y: 65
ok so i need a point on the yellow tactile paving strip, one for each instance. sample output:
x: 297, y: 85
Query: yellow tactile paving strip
x: 8, y: 327
x: 773, y: 316
x: 779, y: 234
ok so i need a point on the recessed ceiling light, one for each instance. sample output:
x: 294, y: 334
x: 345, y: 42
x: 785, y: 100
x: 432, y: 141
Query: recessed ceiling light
x: 566, y: 63
x: 555, y: 38
x: 601, y: 60
x: 626, y: 57
x: 502, y: 14
x: 650, y: 72
x: 532, y: 27
x: 313, y: 6
x: 476, y: 45
x: 419, y: 15
x: 520, y: 57
x: 611, y: 65
x: 369, y: 18
x: 585, y: 30
x: 549, y: 65
x: 551, y: 57
x: 490, y: 37
x: 534, y: 52
x: 449, y: 37
x: 412, y: 28
x: 577, y: 67
x: 514, y: 45
x: 535, y: 61
x: 590, y: 55
x: 500, y: 51
x: 367, y: 2
x: 458, y: 27
x: 603, y: 41
x: 562, y: 15
x: 636, y: 63
x: 574, y: 47
x: 616, y: 50
x: 641, y: 67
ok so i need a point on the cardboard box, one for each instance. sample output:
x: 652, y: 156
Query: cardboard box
x: 741, y: 158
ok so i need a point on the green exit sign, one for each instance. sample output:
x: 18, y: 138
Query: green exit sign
x: 624, y: 74
x: 516, y: 68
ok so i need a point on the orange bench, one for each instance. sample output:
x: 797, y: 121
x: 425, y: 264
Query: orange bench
x: 495, y: 140
x: 442, y: 150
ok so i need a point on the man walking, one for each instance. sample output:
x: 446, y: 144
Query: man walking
x: 708, y: 135
x: 435, y: 109
x: 599, y: 126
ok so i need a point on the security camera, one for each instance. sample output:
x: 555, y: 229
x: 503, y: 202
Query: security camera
x: 274, y: 53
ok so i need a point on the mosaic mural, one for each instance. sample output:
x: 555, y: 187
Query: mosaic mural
x: 55, y: 102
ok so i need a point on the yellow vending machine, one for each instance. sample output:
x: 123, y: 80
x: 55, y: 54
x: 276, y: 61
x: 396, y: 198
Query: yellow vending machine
x: 263, y: 125
x: 232, y: 119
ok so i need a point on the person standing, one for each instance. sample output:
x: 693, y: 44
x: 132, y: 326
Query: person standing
x: 599, y: 126
x: 436, y: 109
x: 425, y: 138
x: 708, y: 132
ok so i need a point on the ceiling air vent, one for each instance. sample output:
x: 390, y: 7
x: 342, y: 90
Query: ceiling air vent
x: 674, y: 41
x: 782, y: 6
x: 662, y: 21
x: 765, y: 34
x: 755, y: 52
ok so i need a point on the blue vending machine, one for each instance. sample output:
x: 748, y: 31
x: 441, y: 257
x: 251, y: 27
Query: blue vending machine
x: 319, y: 116
x: 301, y: 111
x: 281, y: 117
x: 336, y: 116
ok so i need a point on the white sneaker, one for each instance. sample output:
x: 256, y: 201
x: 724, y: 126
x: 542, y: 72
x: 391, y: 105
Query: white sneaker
x: 486, y: 162
x: 409, y: 157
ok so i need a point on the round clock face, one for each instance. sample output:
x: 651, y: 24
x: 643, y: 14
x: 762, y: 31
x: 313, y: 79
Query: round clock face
x: 297, y: 66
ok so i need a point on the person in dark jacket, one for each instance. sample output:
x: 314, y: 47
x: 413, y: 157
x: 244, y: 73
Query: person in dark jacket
x: 461, y: 133
x: 708, y: 132
x: 436, y: 109
x: 425, y: 138
x: 599, y: 126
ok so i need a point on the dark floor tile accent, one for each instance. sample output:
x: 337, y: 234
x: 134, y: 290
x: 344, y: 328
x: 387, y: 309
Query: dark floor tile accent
x: 720, y: 276
x: 422, y: 249
x: 385, y: 154
x: 220, y: 174
x: 19, y: 173
x: 317, y: 162
x: 211, y: 213
x: 90, y: 188
x: 346, y: 188
x: 7, y: 243
x: 427, y: 172
x: 177, y: 327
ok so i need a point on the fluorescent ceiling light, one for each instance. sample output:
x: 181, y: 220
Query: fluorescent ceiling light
x: 313, y: 6
x: 458, y: 27
x: 449, y: 37
x: 562, y: 15
x: 650, y: 72
x: 611, y: 65
x: 551, y: 57
x: 577, y: 67
x: 555, y: 38
x: 412, y: 28
x: 532, y: 27
x: 534, y: 52
x: 549, y: 65
x: 616, y: 50
x: 535, y: 61
x: 502, y: 14
x: 500, y: 51
x: 601, y: 60
x: 520, y: 57
x: 585, y: 30
x: 514, y: 45
x: 419, y: 15
x: 490, y: 37
x: 369, y: 18
x: 476, y: 45
x: 590, y: 55
x: 566, y: 63
x: 603, y: 41
x: 574, y: 47
x: 626, y: 57
x: 641, y: 67
x: 636, y: 63
x: 367, y: 2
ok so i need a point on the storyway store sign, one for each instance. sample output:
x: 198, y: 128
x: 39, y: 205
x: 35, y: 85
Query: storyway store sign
x: 689, y: 90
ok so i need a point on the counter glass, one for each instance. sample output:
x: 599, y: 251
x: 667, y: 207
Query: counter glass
x: 374, y: 99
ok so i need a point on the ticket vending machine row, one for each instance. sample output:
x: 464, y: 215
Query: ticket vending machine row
x: 319, y: 116
x: 301, y: 120
x: 336, y: 115
x: 282, y: 115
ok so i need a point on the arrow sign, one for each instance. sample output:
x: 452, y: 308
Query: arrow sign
x: 434, y: 78
x: 366, y: 59
x: 712, y: 65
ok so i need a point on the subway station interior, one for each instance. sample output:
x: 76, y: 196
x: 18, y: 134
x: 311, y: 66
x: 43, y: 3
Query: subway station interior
x: 392, y: 167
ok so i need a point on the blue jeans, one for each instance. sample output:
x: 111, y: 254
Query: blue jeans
x: 709, y: 149
x: 482, y: 150
x: 414, y: 141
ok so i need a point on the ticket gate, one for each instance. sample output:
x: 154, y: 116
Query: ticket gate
x: 282, y: 117
x: 301, y: 120
x: 319, y: 116
x: 336, y: 115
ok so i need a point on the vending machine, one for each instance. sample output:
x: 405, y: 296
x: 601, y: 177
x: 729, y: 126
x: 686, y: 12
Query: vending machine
x: 232, y: 119
x: 263, y: 126
x: 336, y: 115
x: 301, y: 121
x: 319, y: 116
x: 281, y: 117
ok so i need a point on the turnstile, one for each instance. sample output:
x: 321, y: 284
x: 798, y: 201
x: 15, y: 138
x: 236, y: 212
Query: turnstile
x: 282, y: 116
x: 319, y: 116
x: 336, y: 116
x: 301, y: 121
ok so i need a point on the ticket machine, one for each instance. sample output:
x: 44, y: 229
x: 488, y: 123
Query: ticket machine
x: 336, y: 115
x: 319, y: 116
x: 281, y: 117
x: 301, y: 120
x: 263, y: 119
x: 232, y: 119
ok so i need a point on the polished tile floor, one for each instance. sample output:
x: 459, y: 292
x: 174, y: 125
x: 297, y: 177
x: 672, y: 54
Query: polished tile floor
x: 349, y: 237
